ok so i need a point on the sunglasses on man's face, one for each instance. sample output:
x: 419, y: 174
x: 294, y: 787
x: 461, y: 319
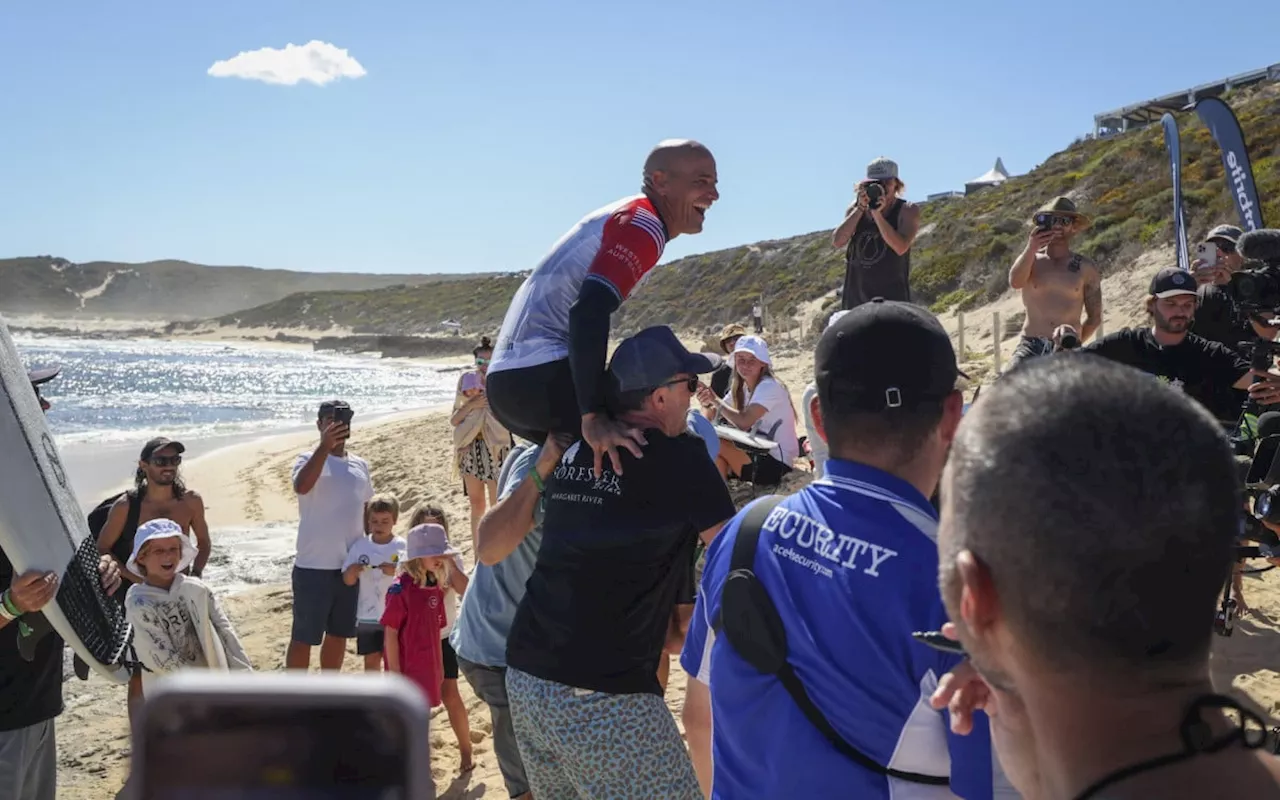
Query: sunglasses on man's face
x: 165, y: 461
x: 690, y: 383
x: 1226, y: 248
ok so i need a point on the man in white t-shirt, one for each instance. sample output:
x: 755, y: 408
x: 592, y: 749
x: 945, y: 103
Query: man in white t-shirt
x: 333, y: 488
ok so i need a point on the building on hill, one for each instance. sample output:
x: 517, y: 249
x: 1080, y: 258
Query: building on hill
x: 992, y: 177
x: 1139, y: 115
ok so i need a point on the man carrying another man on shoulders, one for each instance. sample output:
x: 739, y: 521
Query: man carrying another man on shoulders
x: 601, y: 609
x: 1057, y: 285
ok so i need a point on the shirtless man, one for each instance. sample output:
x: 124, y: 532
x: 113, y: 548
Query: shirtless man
x: 158, y: 493
x: 1057, y: 285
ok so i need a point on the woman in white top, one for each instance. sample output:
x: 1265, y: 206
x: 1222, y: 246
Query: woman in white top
x: 760, y: 404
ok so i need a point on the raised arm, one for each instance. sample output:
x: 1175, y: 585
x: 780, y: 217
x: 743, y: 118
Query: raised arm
x: 902, y: 237
x: 1020, y: 272
x: 504, y: 526
x: 844, y: 232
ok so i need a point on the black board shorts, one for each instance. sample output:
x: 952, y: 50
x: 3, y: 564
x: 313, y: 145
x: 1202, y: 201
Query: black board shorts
x: 532, y: 401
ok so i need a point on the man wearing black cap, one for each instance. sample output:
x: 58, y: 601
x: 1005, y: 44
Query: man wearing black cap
x: 1210, y: 373
x: 158, y: 493
x: 31, y: 671
x: 600, y: 609
x: 850, y: 563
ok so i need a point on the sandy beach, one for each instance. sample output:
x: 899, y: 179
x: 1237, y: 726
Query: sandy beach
x: 246, y: 486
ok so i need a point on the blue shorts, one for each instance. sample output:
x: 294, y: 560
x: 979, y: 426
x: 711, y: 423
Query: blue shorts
x: 322, y: 603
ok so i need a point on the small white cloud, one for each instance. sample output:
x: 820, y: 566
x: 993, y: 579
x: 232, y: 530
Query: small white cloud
x: 315, y: 62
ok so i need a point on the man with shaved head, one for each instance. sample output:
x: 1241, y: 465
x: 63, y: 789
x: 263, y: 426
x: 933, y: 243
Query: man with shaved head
x: 1088, y: 520
x: 548, y: 369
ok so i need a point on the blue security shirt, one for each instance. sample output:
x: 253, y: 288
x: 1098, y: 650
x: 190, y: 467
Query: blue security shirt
x: 851, y: 562
x: 494, y: 592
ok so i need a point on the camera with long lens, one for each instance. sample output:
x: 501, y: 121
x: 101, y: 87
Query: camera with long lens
x: 875, y: 194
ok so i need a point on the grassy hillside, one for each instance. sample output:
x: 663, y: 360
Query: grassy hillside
x: 961, y: 257
x: 163, y: 289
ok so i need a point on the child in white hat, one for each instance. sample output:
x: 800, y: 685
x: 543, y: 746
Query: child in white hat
x: 176, y: 619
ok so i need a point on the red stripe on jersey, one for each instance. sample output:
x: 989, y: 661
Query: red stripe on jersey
x: 631, y: 244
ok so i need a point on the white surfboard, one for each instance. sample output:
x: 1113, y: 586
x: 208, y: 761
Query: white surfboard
x: 744, y: 439
x: 42, y: 526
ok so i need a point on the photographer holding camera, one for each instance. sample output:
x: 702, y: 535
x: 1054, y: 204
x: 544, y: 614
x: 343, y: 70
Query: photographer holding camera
x: 1210, y: 373
x: 1219, y: 317
x: 1057, y: 285
x: 878, y: 230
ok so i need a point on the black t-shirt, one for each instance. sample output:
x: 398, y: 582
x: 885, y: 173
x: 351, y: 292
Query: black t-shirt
x: 30, y: 691
x: 615, y: 559
x: 1217, y: 319
x: 1203, y: 369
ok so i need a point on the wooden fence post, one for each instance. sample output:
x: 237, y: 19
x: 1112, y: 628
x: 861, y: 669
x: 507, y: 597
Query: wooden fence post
x: 960, y: 334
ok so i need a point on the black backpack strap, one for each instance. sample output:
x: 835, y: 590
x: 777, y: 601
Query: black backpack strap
x: 135, y: 511
x: 741, y: 566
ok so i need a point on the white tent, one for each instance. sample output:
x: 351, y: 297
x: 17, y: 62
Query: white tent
x: 993, y: 177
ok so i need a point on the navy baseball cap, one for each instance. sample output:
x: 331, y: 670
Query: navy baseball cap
x: 1171, y: 282
x: 652, y: 357
x: 884, y: 354
x: 159, y: 443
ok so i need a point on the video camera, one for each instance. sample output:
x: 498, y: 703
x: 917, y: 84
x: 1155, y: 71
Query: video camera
x: 1258, y: 289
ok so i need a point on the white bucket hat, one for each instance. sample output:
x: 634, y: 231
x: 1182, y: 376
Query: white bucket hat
x: 161, y: 529
x: 755, y: 346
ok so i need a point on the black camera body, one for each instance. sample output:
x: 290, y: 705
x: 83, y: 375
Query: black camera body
x: 875, y: 194
x: 1256, y: 289
x: 1069, y: 340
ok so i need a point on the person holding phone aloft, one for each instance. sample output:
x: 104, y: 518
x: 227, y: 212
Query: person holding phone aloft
x: 333, y: 488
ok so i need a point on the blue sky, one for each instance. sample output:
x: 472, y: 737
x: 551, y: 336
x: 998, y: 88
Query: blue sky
x: 482, y: 130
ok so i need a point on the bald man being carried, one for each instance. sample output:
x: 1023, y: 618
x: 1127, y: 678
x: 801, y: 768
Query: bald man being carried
x: 548, y: 368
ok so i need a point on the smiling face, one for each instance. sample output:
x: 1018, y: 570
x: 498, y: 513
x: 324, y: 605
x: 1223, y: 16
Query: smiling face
x: 682, y: 182
x: 160, y: 558
x: 749, y: 367
x: 162, y: 467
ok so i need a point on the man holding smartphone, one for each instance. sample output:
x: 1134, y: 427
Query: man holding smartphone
x: 1057, y: 285
x: 333, y: 488
x: 1217, y: 317
x: 878, y: 230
